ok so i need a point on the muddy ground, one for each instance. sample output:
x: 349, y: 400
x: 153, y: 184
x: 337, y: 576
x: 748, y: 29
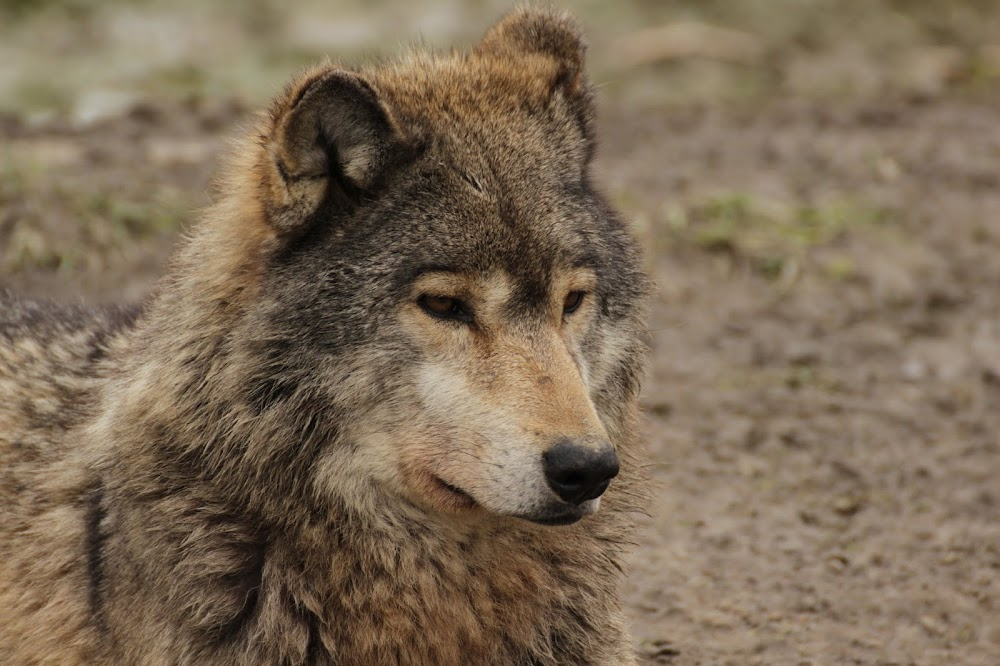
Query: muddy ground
x: 823, y: 398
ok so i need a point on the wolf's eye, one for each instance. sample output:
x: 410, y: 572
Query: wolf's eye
x: 574, y: 300
x: 444, y: 307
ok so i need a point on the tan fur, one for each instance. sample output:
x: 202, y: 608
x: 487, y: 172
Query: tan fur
x: 169, y: 498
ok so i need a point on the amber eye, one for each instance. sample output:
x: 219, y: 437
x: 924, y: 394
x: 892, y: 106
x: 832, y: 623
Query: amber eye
x: 444, y: 307
x: 574, y: 300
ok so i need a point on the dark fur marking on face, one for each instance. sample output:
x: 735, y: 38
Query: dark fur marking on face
x: 587, y: 260
x: 531, y: 296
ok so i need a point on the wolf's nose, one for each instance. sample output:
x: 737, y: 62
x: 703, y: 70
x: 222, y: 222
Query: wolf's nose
x: 579, y: 473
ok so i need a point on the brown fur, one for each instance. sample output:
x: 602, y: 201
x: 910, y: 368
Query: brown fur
x: 255, y: 468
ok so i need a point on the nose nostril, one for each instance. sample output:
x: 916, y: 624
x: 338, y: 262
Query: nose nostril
x: 572, y: 480
x: 579, y: 473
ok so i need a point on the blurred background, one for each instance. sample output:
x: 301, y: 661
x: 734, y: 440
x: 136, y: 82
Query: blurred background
x: 84, y: 58
x: 817, y: 184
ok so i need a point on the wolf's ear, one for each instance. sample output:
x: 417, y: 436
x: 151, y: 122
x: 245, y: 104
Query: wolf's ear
x: 547, y: 33
x: 331, y: 140
x: 556, y: 37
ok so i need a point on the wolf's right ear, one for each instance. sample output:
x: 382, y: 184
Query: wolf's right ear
x: 331, y: 140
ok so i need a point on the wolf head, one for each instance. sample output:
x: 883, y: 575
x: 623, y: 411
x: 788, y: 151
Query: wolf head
x: 439, y: 304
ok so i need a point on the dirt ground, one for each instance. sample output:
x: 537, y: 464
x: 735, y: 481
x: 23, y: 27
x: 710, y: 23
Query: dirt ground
x: 823, y: 398
x: 824, y: 439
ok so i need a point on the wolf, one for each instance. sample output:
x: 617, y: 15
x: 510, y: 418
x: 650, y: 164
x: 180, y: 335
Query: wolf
x: 381, y: 409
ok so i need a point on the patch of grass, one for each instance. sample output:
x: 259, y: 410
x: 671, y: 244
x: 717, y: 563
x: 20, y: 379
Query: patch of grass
x: 773, y: 237
x: 795, y: 378
x: 840, y: 268
x: 178, y: 80
x: 68, y: 226
x: 128, y: 218
x: 19, y: 8
x: 41, y: 95
x: 26, y: 247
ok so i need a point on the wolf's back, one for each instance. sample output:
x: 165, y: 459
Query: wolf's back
x: 50, y: 356
x: 52, y: 362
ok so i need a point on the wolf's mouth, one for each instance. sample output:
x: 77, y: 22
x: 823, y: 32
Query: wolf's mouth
x: 459, y: 494
x: 567, y: 518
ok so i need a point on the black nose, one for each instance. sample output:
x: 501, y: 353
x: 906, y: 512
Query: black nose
x: 579, y: 473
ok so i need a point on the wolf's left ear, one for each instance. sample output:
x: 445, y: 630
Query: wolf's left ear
x: 555, y: 35
x: 331, y: 140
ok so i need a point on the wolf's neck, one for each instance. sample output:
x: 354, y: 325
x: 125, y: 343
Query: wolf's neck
x: 367, y: 588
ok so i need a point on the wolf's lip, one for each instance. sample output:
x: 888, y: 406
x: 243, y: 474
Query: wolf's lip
x: 560, y: 519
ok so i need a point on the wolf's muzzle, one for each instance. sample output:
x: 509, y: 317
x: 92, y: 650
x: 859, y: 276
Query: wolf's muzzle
x: 578, y: 473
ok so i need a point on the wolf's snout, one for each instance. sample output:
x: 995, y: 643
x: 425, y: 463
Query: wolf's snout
x: 579, y: 473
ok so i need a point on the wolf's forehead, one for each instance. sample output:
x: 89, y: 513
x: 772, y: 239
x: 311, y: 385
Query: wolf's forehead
x: 530, y: 257
x: 490, y: 104
x: 485, y: 214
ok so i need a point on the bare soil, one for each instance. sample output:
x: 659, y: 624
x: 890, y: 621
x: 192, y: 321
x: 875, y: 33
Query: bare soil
x: 823, y: 399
